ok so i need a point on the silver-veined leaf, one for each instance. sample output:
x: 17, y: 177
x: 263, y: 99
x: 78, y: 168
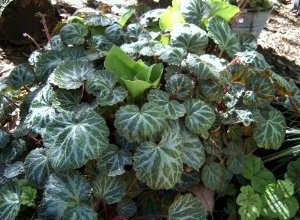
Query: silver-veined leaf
x: 151, y: 18
x: 282, y: 86
x: 254, y: 59
x: 14, y: 170
x: 211, y: 91
x: 221, y: 33
x: 73, y: 53
x: 192, y: 149
x: 109, y: 189
x: 72, y: 74
x: 46, y: 64
x: 74, y: 138
x: 63, y: 191
x: 180, y: 86
x: 81, y: 211
x: 21, y: 75
x: 41, y: 110
x: 37, y: 167
x: 137, y: 124
x: 208, y: 67
x: 247, y: 41
x: 159, y: 165
x: 126, y: 208
x: 100, y: 42
x: 98, y: 20
x: 105, y: 86
x: 187, y: 207
x: 73, y: 33
x: 113, y: 160
x: 55, y: 44
x: 200, y: 117
x: 194, y: 10
x: 250, y: 203
x: 67, y: 99
x: 173, y: 56
x: 10, y: 201
x: 4, y: 138
x: 188, y: 37
x: 270, y: 133
x: 114, y: 33
x: 262, y: 91
x: 172, y: 108
x: 211, y: 175
x: 236, y: 158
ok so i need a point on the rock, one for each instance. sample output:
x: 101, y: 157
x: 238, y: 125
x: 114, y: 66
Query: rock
x: 19, y: 17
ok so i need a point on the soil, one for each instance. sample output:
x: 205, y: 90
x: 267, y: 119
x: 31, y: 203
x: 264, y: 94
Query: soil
x: 279, y: 41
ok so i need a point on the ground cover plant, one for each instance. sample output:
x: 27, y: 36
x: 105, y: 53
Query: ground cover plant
x: 129, y: 115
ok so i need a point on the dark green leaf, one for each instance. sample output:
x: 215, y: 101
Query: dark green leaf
x: 21, y: 75
x: 73, y: 33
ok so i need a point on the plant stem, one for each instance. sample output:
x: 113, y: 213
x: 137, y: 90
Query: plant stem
x: 104, y: 209
x: 33, y: 40
x: 27, y: 89
x: 221, y: 53
x: 43, y: 21
x: 10, y: 100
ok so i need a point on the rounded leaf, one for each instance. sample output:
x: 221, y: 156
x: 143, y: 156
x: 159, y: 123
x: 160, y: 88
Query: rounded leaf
x: 37, y: 167
x: 180, y: 86
x: 73, y: 33
x: 194, y: 10
x: 187, y: 207
x: 80, y: 212
x: 139, y: 124
x: 100, y: 42
x: 270, y: 133
x: 75, y: 138
x: 10, y: 201
x: 98, y: 20
x: 72, y: 74
x: 14, y: 170
x: 200, y: 117
x: 211, y: 175
x: 67, y: 99
x: 126, y: 208
x: 110, y: 189
x: 188, y: 37
x: 21, y: 75
x: 159, y: 165
x: 173, y: 56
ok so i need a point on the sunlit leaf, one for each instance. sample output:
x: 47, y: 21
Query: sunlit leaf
x: 98, y: 20
x: 21, y: 75
x: 67, y: 99
x: 170, y: 18
x: 194, y: 10
x: 187, y: 207
x: 173, y: 56
x: 180, y: 86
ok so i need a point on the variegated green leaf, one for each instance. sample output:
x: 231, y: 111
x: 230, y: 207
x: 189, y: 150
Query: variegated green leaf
x: 211, y: 91
x: 172, y: 108
x: 188, y: 180
x: 200, y: 117
x: 247, y: 41
x: 100, y: 42
x: 81, y: 211
x: 105, y: 86
x: 73, y: 33
x: 211, y: 175
x: 55, y: 44
x: 236, y: 158
x: 137, y: 124
x: 187, y: 207
x: 180, y: 86
x: 10, y: 201
x: 159, y: 165
x: 221, y: 33
x: 72, y: 74
x: 68, y: 132
x: 67, y: 99
x: 73, y: 53
x: 37, y: 167
x: 12, y: 151
x: 126, y: 208
x: 21, y: 75
x: 282, y: 86
x: 114, y: 33
x: 41, y: 110
x: 14, y: 170
x: 254, y: 59
x: 173, y: 56
x: 270, y: 133
x: 63, y: 191
x: 46, y: 64
x: 260, y: 91
x: 113, y: 160
x: 207, y: 67
x: 189, y: 37
x: 192, y: 149
x: 110, y: 189
x: 194, y: 10
x: 4, y: 139
x: 98, y: 20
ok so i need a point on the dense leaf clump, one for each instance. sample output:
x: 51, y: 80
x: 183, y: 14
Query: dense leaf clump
x: 117, y: 113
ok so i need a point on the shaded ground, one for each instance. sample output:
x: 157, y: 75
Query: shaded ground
x: 279, y: 41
